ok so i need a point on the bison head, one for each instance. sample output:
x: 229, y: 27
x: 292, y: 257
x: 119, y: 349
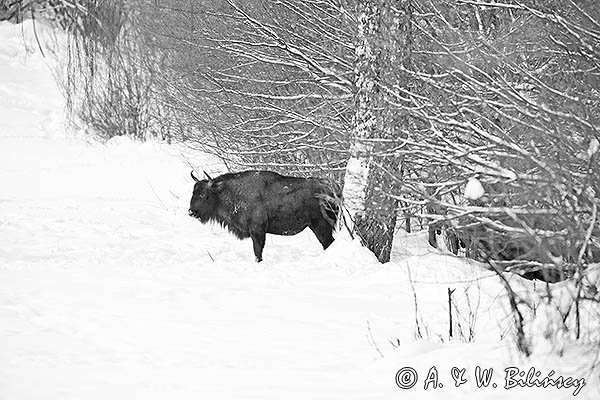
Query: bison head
x: 204, y: 200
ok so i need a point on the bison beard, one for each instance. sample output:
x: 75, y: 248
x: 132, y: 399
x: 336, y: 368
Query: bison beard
x: 254, y: 203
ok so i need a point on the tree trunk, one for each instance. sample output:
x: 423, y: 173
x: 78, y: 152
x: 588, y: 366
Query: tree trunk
x: 369, y: 174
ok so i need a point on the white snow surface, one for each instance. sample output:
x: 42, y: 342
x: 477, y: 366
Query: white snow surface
x: 474, y: 189
x: 109, y: 290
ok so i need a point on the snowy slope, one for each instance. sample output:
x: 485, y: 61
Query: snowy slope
x: 108, y: 290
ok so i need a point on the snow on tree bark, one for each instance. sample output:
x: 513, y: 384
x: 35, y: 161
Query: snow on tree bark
x: 369, y: 174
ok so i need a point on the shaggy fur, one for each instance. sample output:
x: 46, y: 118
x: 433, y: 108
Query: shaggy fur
x: 254, y: 203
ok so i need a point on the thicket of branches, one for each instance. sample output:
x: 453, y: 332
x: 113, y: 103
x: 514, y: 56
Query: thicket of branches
x: 111, y: 64
x: 505, y: 94
x: 263, y: 83
x: 508, y: 94
x: 404, y: 101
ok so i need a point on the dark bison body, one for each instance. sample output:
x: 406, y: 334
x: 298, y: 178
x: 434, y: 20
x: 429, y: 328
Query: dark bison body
x: 254, y: 203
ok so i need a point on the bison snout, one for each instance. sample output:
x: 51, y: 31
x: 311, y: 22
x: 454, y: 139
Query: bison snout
x: 191, y: 213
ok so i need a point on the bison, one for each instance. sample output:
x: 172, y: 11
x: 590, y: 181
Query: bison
x: 254, y: 203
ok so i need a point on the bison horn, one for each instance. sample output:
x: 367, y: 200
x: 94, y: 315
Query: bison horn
x: 208, y: 176
x: 193, y: 177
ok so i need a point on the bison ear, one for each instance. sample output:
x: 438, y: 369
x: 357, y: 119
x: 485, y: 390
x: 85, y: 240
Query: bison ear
x: 193, y: 177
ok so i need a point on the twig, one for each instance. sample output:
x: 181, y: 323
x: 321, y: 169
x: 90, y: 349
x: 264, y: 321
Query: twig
x: 450, y: 291
x: 155, y: 194
x: 211, y: 257
x: 36, y: 35
x: 372, y: 340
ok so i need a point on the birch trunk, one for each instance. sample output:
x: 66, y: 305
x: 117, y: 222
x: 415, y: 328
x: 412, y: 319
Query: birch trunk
x: 368, y: 179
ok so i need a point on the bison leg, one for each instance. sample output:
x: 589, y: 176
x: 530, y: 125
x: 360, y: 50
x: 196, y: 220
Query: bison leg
x: 258, y: 240
x: 322, y: 230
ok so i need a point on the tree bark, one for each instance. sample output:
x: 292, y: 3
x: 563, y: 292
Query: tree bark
x: 369, y: 174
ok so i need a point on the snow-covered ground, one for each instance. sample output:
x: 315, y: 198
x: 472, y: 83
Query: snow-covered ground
x: 108, y: 290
